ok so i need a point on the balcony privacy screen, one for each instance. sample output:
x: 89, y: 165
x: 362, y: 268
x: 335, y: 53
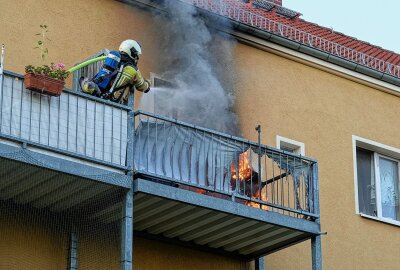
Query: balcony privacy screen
x: 183, y: 154
x: 206, y: 160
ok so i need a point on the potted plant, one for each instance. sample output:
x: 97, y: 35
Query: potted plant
x: 45, y: 79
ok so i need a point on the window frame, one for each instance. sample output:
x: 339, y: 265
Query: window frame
x: 379, y: 150
x: 298, y: 147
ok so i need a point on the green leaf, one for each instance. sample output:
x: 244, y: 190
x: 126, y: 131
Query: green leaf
x: 40, y: 42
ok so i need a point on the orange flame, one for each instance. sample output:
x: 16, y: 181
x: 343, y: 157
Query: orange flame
x: 244, y: 168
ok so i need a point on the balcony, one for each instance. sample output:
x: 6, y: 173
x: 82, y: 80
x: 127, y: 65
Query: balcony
x: 191, y: 186
x: 220, y: 192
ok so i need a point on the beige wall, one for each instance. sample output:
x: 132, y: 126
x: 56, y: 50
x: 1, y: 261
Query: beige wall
x: 287, y: 98
x: 323, y: 111
x: 78, y: 29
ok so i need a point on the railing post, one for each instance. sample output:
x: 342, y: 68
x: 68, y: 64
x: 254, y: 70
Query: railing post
x: 259, y: 263
x: 316, y: 248
x: 130, y: 138
x: 73, y: 251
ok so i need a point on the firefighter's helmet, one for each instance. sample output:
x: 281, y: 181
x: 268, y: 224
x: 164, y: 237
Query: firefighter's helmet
x: 132, y: 48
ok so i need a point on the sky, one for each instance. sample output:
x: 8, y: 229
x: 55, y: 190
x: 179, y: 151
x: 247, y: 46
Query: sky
x: 373, y: 21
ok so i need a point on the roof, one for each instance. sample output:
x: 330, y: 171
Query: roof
x: 324, y: 32
x: 271, y: 17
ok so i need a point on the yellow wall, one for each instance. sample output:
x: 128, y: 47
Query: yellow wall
x: 31, y: 241
x: 323, y: 111
x: 78, y: 29
x: 285, y: 97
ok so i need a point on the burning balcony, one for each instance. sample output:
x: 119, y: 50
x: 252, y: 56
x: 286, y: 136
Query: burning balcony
x: 192, y: 186
x: 223, y: 193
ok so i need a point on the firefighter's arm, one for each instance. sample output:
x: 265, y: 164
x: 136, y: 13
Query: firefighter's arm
x: 140, y: 83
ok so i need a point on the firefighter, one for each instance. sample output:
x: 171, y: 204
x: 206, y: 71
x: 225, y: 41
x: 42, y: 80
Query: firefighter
x: 119, y: 74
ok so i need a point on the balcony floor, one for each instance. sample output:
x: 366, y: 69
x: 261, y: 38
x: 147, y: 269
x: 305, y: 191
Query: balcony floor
x: 170, y: 213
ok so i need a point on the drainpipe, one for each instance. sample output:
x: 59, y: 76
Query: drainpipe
x: 258, y: 129
x: 2, y: 60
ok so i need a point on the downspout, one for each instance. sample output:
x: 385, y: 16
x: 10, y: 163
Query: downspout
x: 2, y: 61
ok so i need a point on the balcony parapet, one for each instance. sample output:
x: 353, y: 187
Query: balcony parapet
x: 223, y: 166
x: 74, y: 126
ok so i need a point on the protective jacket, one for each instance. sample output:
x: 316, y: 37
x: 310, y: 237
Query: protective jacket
x: 126, y: 78
x: 129, y: 78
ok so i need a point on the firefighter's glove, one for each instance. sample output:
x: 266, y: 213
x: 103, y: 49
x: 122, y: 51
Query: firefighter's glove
x: 148, y: 86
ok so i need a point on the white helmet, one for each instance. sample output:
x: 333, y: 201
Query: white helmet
x: 131, y: 47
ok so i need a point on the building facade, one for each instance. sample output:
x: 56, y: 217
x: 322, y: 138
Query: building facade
x: 308, y: 101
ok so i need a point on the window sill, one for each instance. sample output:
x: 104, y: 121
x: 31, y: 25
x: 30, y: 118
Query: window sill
x: 384, y: 220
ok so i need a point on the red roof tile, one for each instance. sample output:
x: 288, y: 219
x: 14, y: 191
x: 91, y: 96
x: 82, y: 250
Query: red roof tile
x: 310, y: 28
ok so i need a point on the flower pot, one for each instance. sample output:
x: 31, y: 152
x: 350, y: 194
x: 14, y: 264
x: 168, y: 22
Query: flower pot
x: 43, y: 84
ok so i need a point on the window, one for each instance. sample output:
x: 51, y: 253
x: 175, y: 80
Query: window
x: 163, y: 92
x: 377, y: 178
x: 290, y: 145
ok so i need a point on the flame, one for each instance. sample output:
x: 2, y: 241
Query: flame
x: 262, y: 198
x: 244, y: 168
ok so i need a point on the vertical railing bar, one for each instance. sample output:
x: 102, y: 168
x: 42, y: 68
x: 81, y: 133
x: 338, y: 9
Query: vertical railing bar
x: 273, y: 177
x: 20, y: 111
x: 76, y: 126
x: 30, y: 117
x: 40, y: 115
x: 2, y: 99
x: 104, y: 133
x: 251, y: 173
x: 281, y: 179
x: 48, y: 131
x: 86, y: 127
x: 120, y: 138
x: 295, y: 186
x: 147, y: 144
x: 94, y: 128
x: 59, y: 121
x: 266, y: 173
x: 212, y: 160
x: 139, y: 135
x: 11, y: 104
x: 68, y: 113
x: 156, y: 146
x: 288, y: 182
x: 112, y: 134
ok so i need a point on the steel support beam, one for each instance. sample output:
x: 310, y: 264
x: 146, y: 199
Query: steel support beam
x: 127, y: 231
x: 316, y: 252
x: 73, y: 251
x: 316, y: 249
x: 259, y: 263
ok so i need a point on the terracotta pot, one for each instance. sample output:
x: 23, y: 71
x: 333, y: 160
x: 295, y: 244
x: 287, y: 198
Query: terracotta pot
x: 43, y: 84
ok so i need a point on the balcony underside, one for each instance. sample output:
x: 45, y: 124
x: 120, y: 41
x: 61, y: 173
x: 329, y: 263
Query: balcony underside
x: 24, y: 185
x: 169, y: 213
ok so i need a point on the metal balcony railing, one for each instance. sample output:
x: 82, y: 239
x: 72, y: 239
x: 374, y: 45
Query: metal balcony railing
x: 223, y: 166
x: 73, y: 124
x: 236, y: 12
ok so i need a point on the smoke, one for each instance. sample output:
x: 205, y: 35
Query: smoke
x: 197, y: 63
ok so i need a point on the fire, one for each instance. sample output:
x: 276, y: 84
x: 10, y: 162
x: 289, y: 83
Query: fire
x: 244, y: 168
x: 248, y: 182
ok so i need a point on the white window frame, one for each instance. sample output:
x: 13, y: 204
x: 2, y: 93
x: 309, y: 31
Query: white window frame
x: 298, y: 147
x: 380, y: 150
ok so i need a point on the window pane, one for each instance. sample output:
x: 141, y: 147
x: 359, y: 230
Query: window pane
x: 366, y: 182
x: 388, y: 172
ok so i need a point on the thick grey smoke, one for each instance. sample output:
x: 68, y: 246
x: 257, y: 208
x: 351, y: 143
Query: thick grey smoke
x: 191, y: 58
